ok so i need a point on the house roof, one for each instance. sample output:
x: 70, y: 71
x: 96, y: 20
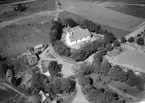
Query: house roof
x: 79, y: 33
x: 38, y: 46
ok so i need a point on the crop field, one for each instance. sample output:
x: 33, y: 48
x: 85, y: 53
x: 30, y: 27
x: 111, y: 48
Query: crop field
x: 133, y: 59
x: 9, y: 1
x: 30, y: 32
x: 126, y: 1
x: 8, y: 94
x: 115, y: 31
x: 130, y: 7
x: 8, y: 13
x: 101, y: 15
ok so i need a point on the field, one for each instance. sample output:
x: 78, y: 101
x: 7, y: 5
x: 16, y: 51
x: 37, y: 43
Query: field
x: 8, y: 13
x: 28, y: 32
x: 130, y: 7
x: 101, y: 15
x: 115, y: 31
x: 9, y: 1
x: 133, y: 59
x: 126, y: 1
x: 7, y: 94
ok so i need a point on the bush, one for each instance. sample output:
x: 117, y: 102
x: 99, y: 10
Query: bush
x: 140, y: 41
x: 131, y: 39
x: 109, y: 47
x: 109, y: 37
x: 123, y: 40
x: 116, y: 43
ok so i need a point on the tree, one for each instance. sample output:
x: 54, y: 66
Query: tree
x: 62, y: 85
x: 116, y: 43
x: 117, y: 74
x: 83, y: 80
x: 131, y: 39
x: 123, y: 39
x: 20, y: 7
x: 85, y: 69
x: 61, y: 48
x: 56, y: 85
x: 109, y: 37
x: 140, y: 41
x: 38, y: 83
x: 98, y: 58
x: 54, y: 68
x: 102, y: 51
x: 67, y: 85
x: 105, y: 67
x: 56, y: 32
x: 92, y: 27
x: 71, y: 22
x: 109, y: 47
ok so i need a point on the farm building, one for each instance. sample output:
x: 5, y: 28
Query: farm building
x: 32, y: 58
x: 76, y: 36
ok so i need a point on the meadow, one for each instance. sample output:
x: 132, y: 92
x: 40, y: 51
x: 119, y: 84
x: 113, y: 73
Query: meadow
x: 8, y: 13
x: 132, y: 58
x: 101, y: 15
x: 17, y: 37
x: 7, y: 94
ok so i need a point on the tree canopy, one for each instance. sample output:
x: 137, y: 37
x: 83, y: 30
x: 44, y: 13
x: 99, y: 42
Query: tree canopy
x: 116, y: 43
x: 131, y: 39
x: 109, y: 47
x: 123, y: 39
x: 54, y: 68
x: 140, y: 41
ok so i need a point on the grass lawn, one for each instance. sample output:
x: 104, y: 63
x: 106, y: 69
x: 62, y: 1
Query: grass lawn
x: 101, y: 15
x: 30, y: 32
x: 133, y: 59
x: 7, y: 94
x: 115, y: 31
x: 8, y: 13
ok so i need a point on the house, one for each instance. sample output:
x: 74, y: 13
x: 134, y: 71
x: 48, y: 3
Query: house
x: 39, y: 48
x: 76, y: 35
x: 32, y: 58
x: 43, y: 97
x: 9, y: 75
x: 46, y: 73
